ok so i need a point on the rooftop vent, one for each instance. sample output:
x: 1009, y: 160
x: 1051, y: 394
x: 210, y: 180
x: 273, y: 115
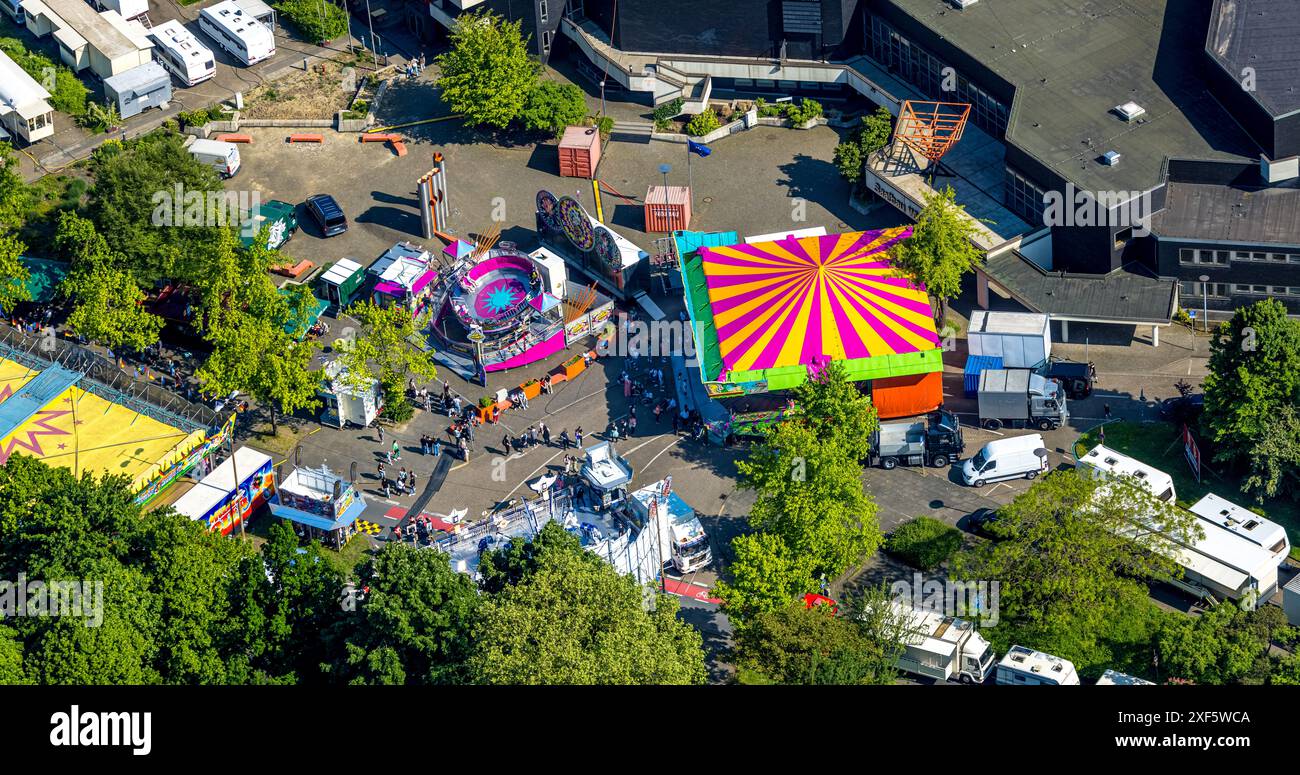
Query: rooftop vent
x: 1130, y: 110
x: 1111, y: 158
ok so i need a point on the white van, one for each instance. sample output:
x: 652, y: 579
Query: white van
x: 238, y: 33
x: 1014, y: 458
x: 222, y: 157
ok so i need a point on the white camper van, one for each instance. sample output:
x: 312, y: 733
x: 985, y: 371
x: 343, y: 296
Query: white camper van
x: 237, y: 32
x: 1026, y: 667
x: 222, y: 157
x: 1104, y: 463
x: 1019, y: 457
x: 176, y: 49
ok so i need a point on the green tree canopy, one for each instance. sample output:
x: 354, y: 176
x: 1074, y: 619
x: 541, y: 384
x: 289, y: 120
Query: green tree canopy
x: 940, y: 252
x: 1251, y: 394
x: 573, y: 621
x: 487, y: 74
x: 866, y: 138
x: 552, y: 106
x: 107, y: 305
x: 414, y: 625
x: 764, y: 576
x: 1073, y: 558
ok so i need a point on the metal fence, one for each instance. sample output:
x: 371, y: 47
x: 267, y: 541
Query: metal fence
x: 105, y: 378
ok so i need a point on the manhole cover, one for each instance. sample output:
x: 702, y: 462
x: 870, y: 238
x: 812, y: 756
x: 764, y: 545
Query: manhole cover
x: 842, y: 225
x: 708, y: 199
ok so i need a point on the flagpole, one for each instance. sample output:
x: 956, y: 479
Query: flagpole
x: 690, y: 178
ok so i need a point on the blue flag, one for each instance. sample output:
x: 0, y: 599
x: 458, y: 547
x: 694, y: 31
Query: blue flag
x: 699, y: 149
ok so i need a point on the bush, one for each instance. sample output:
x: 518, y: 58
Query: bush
x: 486, y: 401
x: 703, y: 123
x: 99, y: 118
x: 552, y: 106
x: 317, y: 22
x: 361, y: 106
x: 606, y: 126
x: 805, y: 111
x: 667, y: 112
x: 924, y: 543
x: 189, y: 118
x: 69, y: 93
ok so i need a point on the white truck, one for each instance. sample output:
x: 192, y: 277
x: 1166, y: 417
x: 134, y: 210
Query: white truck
x: 943, y: 647
x: 682, y: 539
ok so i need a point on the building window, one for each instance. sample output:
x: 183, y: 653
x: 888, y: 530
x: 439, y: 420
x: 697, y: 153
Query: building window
x: 1022, y: 197
x: 1192, y: 256
x: 927, y: 72
x: 546, y: 40
x: 1191, y: 290
x: 543, y: 12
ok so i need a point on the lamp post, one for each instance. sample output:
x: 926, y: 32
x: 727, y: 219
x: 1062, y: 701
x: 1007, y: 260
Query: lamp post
x: 1205, y: 301
x: 665, y: 169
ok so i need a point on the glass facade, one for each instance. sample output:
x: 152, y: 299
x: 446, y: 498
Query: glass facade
x: 931, y: 75
x: 1023, y: 198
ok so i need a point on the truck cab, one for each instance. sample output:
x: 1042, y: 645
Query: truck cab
x: 936, y: 440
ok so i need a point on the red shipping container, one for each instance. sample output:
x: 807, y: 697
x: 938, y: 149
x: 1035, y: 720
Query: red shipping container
x: 579, y: 152
x: 907, y: 396
x: 667, y: 208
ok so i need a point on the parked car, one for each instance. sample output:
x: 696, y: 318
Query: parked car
x: 1184, y: 410
x: 327, y: 214
x: 981, y: 521
x: 1078, y: 378
x: 1017, y: 457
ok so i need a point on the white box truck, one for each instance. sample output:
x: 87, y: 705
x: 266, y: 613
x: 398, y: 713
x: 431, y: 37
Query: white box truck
x: 1019, y: 398
x: 222, y: 157
x: 1023, y: 340
x: 682, y: 539
x: 943, y: 647
x: 1018, y: 457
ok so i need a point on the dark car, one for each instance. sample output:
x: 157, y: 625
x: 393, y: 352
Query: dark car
x: 981, y: 521
x: 1184, y: 410
x: 327, y: 214
x: 1077, y: 377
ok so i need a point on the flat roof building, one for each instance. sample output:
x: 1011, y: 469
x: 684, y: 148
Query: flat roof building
x: 104, y: 42
x: 25, y: 112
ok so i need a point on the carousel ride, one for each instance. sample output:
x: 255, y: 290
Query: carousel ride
x: 493, y: 306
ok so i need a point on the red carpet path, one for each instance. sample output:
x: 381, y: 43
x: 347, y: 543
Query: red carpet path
x: 693, y: 591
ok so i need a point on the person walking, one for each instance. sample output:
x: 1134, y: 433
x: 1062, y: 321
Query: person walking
x: 380, y: 428
x: 577, y: 437
x: 564, y: 439
x: 1105, y: 410
x: 437, y: 447
x: 546, y: 435
x: 659, y: 410
x: 397, y: 450
x: 677, y: 424
x: 505, y: 444
x: 631, y: 424
x: 382, y: 473
x: 410, y: 481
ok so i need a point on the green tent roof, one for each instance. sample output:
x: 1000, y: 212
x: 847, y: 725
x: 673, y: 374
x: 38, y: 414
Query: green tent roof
x: 44, y: 278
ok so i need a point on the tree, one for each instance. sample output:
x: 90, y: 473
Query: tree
x: 940, y: 252
x: 516, y: 561
x: 14, y: 288
x: 318, y: 22
x: 798, y: 644
x: 486, y: 75
x: 836, y: 410
x: 868, y: 137
x: 1220, y: 646
x: 572, y: 621
x: 553, y: 106
x: 1275, y: 458
x: 384, y: 348
x: 764, y: 577
x: 14, y: 193
x: 1254, y: 379
x: 108, y: 306
x: 809, y: 492
x: 415, y: 623
x: 1073, y: 558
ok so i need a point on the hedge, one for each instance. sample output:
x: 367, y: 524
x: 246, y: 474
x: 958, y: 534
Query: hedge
x: 924, y: 543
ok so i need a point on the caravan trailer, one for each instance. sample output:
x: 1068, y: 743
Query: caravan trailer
x: 177, y: 50
x: 1026, y: 667
x: 14, y: 10
x: 237, y: 32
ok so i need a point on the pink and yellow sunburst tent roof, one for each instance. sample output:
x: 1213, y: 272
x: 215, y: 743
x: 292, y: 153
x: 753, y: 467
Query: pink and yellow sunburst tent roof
x: 780, y: 307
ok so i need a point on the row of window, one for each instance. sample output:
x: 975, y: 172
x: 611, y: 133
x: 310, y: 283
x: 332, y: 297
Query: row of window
x: 1022, y: 197
x: 1203, y: 256
x: 932, y: 75
x: 784, y: 86
x: 1191, y: 290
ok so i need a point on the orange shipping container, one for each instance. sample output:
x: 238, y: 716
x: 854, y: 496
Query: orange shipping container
x: 667, y: 208
x: 579, y: 152
x: 907, y: 396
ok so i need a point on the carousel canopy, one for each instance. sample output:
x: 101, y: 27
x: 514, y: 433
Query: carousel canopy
x: 767, y: 311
